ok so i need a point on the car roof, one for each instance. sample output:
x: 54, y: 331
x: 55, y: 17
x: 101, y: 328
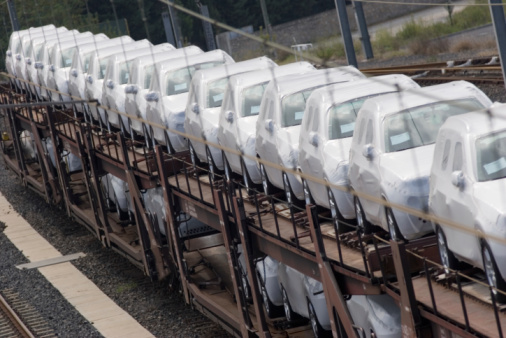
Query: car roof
x: 214, y: 55
x: 206, y: 75
x: 103, y: 44
x: 478, y: 122
x: 393, y: 103
x: 343, y: 92
x: 106, y: 52
x: 132, y: 54
x: 297, y: 82
x: 251, y: 78
x: 152, y: 57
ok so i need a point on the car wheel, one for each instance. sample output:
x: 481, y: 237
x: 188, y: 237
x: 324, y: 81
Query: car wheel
x: 362, y: 223
x: 288, y: 189
x: 337, y: 218
x: 493, y: 275
x: 289, y: 314
x: 393, y: 228
x: 248, y: 183
x: 122, y: 215
x: 307, y: 193
x: 272, y: 311
x: 193, y: 156
x: 245, y: 287
x: 226, y: 166
x: 318, y: 330
x: 448, y: 259
x: 266, y: 185
x: 210, y: 163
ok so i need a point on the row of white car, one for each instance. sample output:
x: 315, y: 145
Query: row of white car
x: 300, y: 119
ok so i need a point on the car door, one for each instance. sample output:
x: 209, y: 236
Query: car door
x: 459, y: 203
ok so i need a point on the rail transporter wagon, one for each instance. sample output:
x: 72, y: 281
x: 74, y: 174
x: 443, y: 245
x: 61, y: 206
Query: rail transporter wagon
x: 233, y: 221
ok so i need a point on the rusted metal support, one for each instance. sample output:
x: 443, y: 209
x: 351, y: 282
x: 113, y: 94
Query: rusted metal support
x: 410, y: 316
x: 233, y: 263
x: 333, y: 294
x: 62, y: 174
x: 172, y: 223
x: 23, y: 172
x: 147, y: 239
x: 51, y: 189
x: 262, y: 328
x: 89, y: 152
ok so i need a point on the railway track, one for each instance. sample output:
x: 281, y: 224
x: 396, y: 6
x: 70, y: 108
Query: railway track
x: 10, y: 323
x: 478, y: 71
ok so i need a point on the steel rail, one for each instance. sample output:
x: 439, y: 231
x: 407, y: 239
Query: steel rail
x: 11, y: 315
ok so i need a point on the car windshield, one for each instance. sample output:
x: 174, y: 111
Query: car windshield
x: 124, y: 72
x: 39, y: 52
x: 491, y: 156
x: 103, y: 67
x: 342, y: 117
x: 251, y: 98
x: 215, y: 92
x: 148, y: 73
x: 66, y: 57
x: 178, y: 81
x: 87, y: 59
x: 419, y: 126
x: 293, y: 106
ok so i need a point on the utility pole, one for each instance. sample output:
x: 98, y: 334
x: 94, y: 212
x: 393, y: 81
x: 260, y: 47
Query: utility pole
x: 497, y: 12
x: 13, y: 15
x: 342, y: 15
x: 267, y: 23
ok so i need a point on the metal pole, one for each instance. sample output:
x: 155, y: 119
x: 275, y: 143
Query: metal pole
x: 497, y: 13
x: 342, y: 15
x: 13, y: 15
x: 267, y: 24
x: 364, y: 32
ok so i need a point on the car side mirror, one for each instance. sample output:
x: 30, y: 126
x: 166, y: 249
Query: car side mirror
x: 28, y: 61
x: 152, y: 97
x: 131, y: 89
x: 39, y: 65
x: 73, y: 72
x: 195, y: 107
x: 9, y: 53
x: 368, y: 151
x: 269, y: 125
x: 52, y: 68
x: 109, y: 84
x: 18, y: 57
x: 90, y: 79
x: 314, y: 139
x: 458, y: 179
x: 229, y: 116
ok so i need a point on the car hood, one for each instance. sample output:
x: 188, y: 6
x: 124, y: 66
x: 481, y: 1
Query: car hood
x: 407, y: 165
x: 490, y: 196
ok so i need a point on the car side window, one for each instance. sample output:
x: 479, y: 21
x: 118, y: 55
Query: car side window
x: 369, y: 133
x: 361, y: 131
x: 457, y: 157
x: 446, y: 155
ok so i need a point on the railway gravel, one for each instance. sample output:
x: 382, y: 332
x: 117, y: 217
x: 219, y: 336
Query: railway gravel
x: 152, y: 304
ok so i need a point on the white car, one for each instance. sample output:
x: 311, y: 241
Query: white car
x: 204, y: 106
x: 141, y: 71
x: 278, y: 125
x: 164, y: 103
x: 21, y: 58
x: 372, y: 315
x: 72, y: 162
x: 79, y: 68
x: 325, y: 138
x: 45, y: 58
x: 267, y: 271
x: 14, y: 46
x: 117, y: 196
x: 467, y: 186
x: 303, y: 296
x: 61, y: 60
x: 33, y: 55
x: 82, y: 53
x: 376, y: 316
x: 95, y: 80
x: 239, y: 113
x: 391, y: 153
